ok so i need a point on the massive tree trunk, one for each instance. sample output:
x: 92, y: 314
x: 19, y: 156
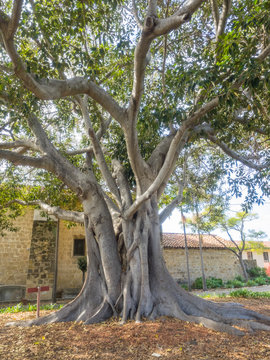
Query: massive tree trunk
x: 128, y: 279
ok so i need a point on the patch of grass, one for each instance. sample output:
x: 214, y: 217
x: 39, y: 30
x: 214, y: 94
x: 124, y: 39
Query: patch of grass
x: 213, y: 296
x: 244, y: 293
x: 240, y: 293
x: 23, y: 308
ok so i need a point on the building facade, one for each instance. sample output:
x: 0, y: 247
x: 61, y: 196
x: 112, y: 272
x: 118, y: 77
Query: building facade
x: 219, y: 262
x: 45, y: 253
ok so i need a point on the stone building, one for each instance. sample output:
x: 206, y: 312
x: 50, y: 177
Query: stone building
x: 218, y: 261
x: 45, y: 253
x: 41, y: 253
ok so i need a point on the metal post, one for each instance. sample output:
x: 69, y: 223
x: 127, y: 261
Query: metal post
x: 38, y: 301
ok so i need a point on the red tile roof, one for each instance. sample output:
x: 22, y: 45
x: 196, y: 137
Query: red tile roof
x: 177, y: 241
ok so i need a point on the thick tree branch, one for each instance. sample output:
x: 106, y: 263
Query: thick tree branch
x: 164, y: 26
x: 67, y: 215
x: 122, y: 184
x: 215, y: 12
x: 164, y: 173
x: 15, y: 18
x: 27, y: 144
x: 171, y: 156
x: 167, y: 167
x: 152, y: 8
x: 50, y: 89
x: 223, y: 18
x: 42, y: 140
x: 17, y: 159
x: 139, y: 166
x: 157, y: 157
x: 60, y: 166
x: 99, y: 153
x: 153, y: 27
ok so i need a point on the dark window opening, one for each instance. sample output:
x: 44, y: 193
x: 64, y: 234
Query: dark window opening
x: 79, y: 247
x: 249, y: 255
x: 266, y: 257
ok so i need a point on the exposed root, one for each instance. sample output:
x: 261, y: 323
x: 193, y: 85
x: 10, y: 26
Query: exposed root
x: 102, y: 313
x: 223, y: 317
x: 218, y: 326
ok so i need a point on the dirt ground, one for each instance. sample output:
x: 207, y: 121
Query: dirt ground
x: 163, y: 339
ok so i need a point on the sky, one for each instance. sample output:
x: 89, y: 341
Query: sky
x: 174, y: 225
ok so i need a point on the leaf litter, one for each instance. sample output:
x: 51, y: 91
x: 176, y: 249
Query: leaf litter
x: 165, y: 338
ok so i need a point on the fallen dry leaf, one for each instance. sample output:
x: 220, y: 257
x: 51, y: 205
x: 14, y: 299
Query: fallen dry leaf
x: 170, y: 338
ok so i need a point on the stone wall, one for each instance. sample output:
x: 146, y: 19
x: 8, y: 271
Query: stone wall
x: 41, y: 267
x: 15, y: 250
x: 217, y: 263
x: 69, y: 276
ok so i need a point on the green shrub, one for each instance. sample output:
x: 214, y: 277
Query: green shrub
x: 260, y: 280
x: 239, y: 278
x: 234, y: 283
x: 257, y: 272
x: 197, y: 283
x: 251, y: 283
x: 82, y: 263
x: 229, y: 284
x: 184, y: 286
x: 211, y: 283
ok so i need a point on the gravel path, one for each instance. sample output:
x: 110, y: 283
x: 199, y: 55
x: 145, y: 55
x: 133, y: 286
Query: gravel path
x: 227, y: 291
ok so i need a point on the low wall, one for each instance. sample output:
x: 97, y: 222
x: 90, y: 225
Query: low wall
x: 11, y: 293
x: 221, y: 264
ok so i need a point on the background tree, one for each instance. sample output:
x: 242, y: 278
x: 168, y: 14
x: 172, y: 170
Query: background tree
x: 104, y: 97
x: 239, y: 238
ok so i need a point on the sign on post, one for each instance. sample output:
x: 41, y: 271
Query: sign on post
x: 38, y: 291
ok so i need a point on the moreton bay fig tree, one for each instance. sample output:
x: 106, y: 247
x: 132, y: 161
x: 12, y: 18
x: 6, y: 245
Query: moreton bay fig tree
x: 99, y: 101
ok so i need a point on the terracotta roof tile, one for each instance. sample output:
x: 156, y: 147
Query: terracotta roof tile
x: 266, y: 244
x: 171, y: 240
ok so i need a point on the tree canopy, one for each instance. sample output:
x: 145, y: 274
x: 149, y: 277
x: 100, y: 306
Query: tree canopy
x: 99, y: 102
